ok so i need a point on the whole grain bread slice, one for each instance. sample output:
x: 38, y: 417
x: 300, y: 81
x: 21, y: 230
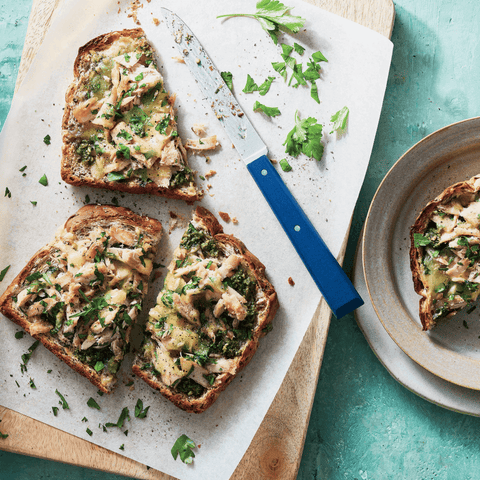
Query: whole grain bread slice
x: 445, y: 252
x: 211, y: 348
x: 119, y: 125
x: 79, y: 295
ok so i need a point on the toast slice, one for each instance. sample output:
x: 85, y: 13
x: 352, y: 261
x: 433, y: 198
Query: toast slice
x: 80, y: 294
x: 119, y: 126
x: 215, y: 305
x: 445, y: 252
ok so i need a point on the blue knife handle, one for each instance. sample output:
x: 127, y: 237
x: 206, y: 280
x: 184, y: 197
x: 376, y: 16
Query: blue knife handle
x: 328, y: 275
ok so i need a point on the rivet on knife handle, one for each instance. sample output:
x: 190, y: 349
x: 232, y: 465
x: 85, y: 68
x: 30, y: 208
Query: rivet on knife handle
x: 332, y: 281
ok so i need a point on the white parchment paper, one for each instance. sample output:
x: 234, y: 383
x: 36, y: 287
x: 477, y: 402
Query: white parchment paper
x: 355, y: 75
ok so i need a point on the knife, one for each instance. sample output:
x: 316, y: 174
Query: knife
x: 327, y: 274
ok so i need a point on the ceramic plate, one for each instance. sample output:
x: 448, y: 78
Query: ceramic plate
x: 407, y: 372
x: 452, y: 349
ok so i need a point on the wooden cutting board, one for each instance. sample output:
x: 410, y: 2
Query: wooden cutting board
x: 276, y: 449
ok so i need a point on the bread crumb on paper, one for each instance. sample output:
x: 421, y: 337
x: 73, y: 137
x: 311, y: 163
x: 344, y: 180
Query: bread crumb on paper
x: 210, y: 173
x: 234, y: 220
x: 224, y: 216
x: 290, y: 281
x: 177, y: 59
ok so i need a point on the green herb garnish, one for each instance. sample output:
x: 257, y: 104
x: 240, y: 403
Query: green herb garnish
x: 273, y: 17
x: 93, y: 404
x: 43, y: 180
x: 285, y: 165
x: 4, y: 272
x: 183, y: 446
x: 269, y: 111
x: 228, y: 79
x: 62, y: 401
x: 305, y: 137
x: 46, y: 139
x: 339, y: 120
x: 8, y: 193
x: 140, y: 412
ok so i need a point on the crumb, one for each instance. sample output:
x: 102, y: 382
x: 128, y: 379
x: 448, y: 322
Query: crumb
x: 179, y: 59
x: 224, y: 216
x: 290, y: 281
x: 233, y: 146
x: 234, y: 220
x: 210, y: 173
x: 207, y: 159
x: 272, y: 161
x: 176, y: 221
x: 209, y: 186
x: 197, y: 61
x: 156, y: 21
x: 199, y: 129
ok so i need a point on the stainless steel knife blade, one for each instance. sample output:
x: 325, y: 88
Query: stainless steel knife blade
x: 238, y: 127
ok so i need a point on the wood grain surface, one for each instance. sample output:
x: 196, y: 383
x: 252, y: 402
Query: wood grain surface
x: 276, y: 449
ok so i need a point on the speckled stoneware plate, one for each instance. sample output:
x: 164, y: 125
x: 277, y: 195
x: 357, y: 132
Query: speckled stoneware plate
x: 452, y: 349
x: 402, y: 368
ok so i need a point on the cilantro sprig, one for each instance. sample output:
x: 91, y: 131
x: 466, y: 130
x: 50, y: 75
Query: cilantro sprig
x: 183, y: 446
x: 305, y: 137
x: 274, y: 18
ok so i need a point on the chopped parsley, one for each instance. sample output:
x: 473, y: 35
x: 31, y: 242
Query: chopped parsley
x: 55, y: 411
x: 269, y: 111
x: 183, y: 446
x: 285, y: 165
x: 124, y: 415
x: 228, y: 79
x: 274, y: 17
x: 140, y: 412
x: 8, y: 193
x: 62, y: 401
x: 19, y: 335
x: 43, y: 180
x: 339, y: 120
x: 26, y: 356
x: 46, y: 139
x: 89, y: 431
x: 93, y: 404
x: 4, y: 272
x: 251, y: 86
x: 420, y: 240
x: 33, y: 203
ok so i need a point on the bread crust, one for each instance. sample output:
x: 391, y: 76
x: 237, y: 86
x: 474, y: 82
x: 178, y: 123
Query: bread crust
x: 76, y: 223
x: 471, y: 186
x: 200, y: 404
x: 69, y: 164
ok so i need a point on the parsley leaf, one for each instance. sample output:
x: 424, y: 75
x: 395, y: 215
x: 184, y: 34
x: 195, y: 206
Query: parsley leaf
x: 298, y: 48
x: 8, y: 193
x: 20, y: 334
x: 319, y: 57
x: 46, y: 139
x: 305, y: 137
x: 339, y: 120
x: 89, y: 431
x: 93, y: 404
x: 115, y: 177
x: 124, y: 415
x: 314, y: 93
x: 26, y: 356
x: 55, y: 411
x: 420, y: 241
x: 43, y: 180
x: 265, y: 86
x: 227, y: 77
x: 281, y: 68
x: 4, y: 272
x: 140, y: 412
x: 270, y: 111
x: 62, y: 401
x: 33, y: 203
x: 273, y: 17
x: 183, y: 446
x: 285, y: 165
x: 250, y: 86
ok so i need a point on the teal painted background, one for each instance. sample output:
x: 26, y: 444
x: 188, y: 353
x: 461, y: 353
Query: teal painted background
x: 364, y: 425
